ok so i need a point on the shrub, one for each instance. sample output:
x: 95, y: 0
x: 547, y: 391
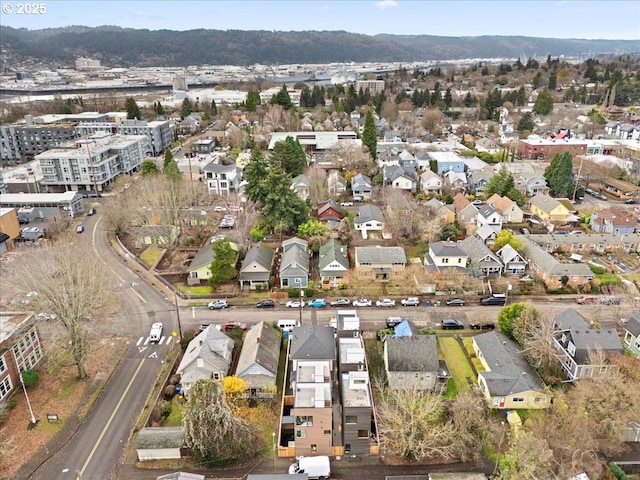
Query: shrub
x: 597, y: 269
x: 617, y: 472
x: 166, y: 409
x: 30, y: 378
x: 12, y: 402
x: 169, y: 391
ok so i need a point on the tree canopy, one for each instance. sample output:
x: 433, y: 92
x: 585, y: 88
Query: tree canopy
x: 282, y: 98
x: 290, y: 155
x: 170, y: 167
x: 544, y: 103
x: 559, y: 175
x: 223, y: 266
x: 503, y: 184
x: 133, y: 111
x: 370, y: 136
x: 149, y: 167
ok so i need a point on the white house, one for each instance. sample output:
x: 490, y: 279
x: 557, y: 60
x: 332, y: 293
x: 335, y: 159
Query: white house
x: 369, y: 218
x: 221, y: 179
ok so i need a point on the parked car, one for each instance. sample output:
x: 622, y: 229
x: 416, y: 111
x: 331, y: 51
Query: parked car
x: 79, y: 229
x: 219, y: 209
x: 482, y: 326
x: 495, y: 299
x: 362, y: 302
x: 392, y: 322
x: 455, y: 302
x: 451, y: 324
x: 630, y: 201
x: 317, y: 303
x: 46, y: 316
x: 91, y: 211
x: 218, y: 305
x: 525, y: 231
x: 346, y: 204
x: 294, y: 304
x: 231, y: 325
x: 385, y: 302
x: 341, y: 302
x: 267, y: 303
x: 410, y: 302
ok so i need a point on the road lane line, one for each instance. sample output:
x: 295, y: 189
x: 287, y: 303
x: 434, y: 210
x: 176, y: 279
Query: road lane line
x: 113, y: 414
x: 138, y: 295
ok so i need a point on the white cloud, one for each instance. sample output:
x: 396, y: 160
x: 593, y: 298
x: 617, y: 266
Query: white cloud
x: 386, y: 4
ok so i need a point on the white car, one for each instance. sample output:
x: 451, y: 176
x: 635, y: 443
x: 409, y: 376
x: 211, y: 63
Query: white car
x: 410, y: 302
x: 385, y: 302
x: 156, y: 333
x: 218, y: 305
x: 363, y: 302
x: 294, y: 304
x: 346, y: 204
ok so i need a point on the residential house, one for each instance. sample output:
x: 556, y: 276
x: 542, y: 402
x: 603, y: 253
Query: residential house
x: 478, y: 180
x: 20, y: 350
x: 258, y: 361
x: 9, y: 225
x: 361, y: 187
x: 381, y: 262
x: 430, y: 182
x: 508, y: 381
x: 199, y: 270
x: 446, y: 213
x: 369, y: 218
x: 159, y: 443
x: 208, y: 355
x: 479, y: 254
x: 455, y: 182
x: 333, y: 264
x: 300, y: 185
x: 336, y: 184
x: 402, y: 178
x: 256, y: 267
x: 312, y: 359
x: 551, y: 270
x: 632, y: 335
x: 445, y: 254
x: 329, y: 211
x: 447, y: 162
x: 588, y: 244
x: 513, y: 262
x: 579, y: 345
x: 294, y: 264
x: 615, y: 220
x: 356, y: 398
x: 532, y: 184
x: 507, y: 208
x: 411, y: 363
x: 548, y: 209
x: 489, y: 217
x: 466, y: 212
x: 221, y: 179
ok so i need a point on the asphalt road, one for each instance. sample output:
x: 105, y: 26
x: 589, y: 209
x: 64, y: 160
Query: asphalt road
x: 96, y: 449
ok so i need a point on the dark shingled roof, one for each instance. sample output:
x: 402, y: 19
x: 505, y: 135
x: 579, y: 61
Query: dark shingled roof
x: 414, y: 354
x: 312, y: 343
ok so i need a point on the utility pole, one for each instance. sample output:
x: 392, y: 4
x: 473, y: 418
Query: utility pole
x: 175, y: 301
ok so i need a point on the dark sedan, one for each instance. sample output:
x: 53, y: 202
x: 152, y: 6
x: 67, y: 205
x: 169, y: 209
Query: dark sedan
x: 265, y: 304
x: 455, y: 302
x: 451, y: 324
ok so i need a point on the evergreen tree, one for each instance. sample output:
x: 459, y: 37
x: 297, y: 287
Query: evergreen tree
x: 526, y: 123
x: 170, y: 167
x: 222, y: 267
x: 559, y: 175
x: 133, y: 111
x: 500, y: 183
x: 214, y: 108
x: 186, y: 108
x: 281, y: 206
x: 448, y: 100
x: 282, y: 98
x: 149, y: 167
x: 253, y: 100
x: 370, y: 136
x: 255, y: 173
x: 290, y: 155
x: 544, y: 103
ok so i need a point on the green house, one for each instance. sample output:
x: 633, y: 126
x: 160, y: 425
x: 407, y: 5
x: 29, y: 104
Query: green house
x: 632, y: 335
x: 199, y: 267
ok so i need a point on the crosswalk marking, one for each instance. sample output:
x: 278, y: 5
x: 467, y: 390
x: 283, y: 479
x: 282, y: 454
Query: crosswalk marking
x: 145, y: 341
x: 140, y: 341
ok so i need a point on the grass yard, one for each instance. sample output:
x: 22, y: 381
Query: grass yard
x: 151, y: 255
x: 194, y: 290
x: 635, y: 277
x: 457, y: 363
x: 175, y: 417
x: 608, y: 279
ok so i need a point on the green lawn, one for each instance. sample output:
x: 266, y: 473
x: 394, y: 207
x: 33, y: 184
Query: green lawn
x: 608, y: 279
x: 457, y: 363
x: 194, y: 290
x: 151, y: 255
x: 175, y: 417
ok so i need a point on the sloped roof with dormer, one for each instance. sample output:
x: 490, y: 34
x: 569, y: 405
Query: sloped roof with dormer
x: 312, y: 343
x: 479, y: 252
x: 214, y: 348
x: 633, y: 325
x: 367, y: 213
x: 260, y: 355
x: 332, y: 251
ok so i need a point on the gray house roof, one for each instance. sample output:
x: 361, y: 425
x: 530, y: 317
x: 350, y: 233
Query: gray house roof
x: 160, y: 437
x: 486, y: 210
x: 367, y: 213
x: 213, y: 347
x: 510, y: 372
x: 216, y: 168
x: 260, y: 355
x: 392, y: 172
x: 261, y: 254
x: 570, y: 319
x: 312, y: 343
x: 479, y: 252
x: 381, y: 255
x: 181, y: 476
x: 633, y: 325
x: 333, y: 251
x: 447, y: 249
x: 360, y: 180
x: 544, y: 202
x: 294, y: 262
x: 548, y: 263
x: 419, y: 354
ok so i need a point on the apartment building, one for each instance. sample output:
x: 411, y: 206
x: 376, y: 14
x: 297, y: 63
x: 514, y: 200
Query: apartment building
x: 157, y: 132
x: 91, y: 163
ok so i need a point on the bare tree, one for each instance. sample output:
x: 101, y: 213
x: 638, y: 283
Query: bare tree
x: 74, y: 287
x: 432, y: 119
x: 352, y: 157
x: 528, y: 458
x: 318, y: 190
x: 276, y: 118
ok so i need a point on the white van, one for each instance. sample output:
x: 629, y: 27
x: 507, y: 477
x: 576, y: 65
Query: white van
x: 156, y: 333
x: 287, y: 325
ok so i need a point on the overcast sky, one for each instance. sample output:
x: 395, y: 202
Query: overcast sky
x: 591, y: 19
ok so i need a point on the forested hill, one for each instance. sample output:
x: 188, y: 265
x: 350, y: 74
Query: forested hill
x: 116, y: 46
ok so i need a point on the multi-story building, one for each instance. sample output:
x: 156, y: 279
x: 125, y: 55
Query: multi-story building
x: 221, y: 179
x: 20, y: 350
x: 89, y: 164
x: 374, y: 86
x: 158, y: 132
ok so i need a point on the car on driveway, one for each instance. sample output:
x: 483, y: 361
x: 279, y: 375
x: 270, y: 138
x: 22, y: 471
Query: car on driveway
x: 451, y: 324
x: 267, y: 303
x: 231, y: 325
x: 393, y: 322
x: 410, y: 302
x: 482, y: 326
x: 294, y: 304
x: 455, y: 302
x: 91, y: 211
x: 346, y: 204
x: 385, y: 302
x: 362, y: 302
x: 218, y: 305
x: 341, y: 302
x: 317, y: 303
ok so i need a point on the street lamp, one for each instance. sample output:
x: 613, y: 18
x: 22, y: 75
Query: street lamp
x: 24, y: 389
x: 301, y: 304
x: 273, y: 443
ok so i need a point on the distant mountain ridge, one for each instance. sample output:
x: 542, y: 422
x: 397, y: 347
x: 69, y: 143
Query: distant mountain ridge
x: 116, y: 46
